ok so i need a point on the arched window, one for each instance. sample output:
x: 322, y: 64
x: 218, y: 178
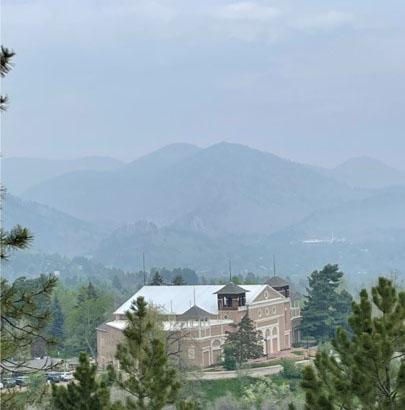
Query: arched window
x: 216, y: 343
x: 274, y: 331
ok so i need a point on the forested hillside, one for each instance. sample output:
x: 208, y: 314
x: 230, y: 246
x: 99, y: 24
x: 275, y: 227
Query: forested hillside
x: 225, y: 188
x: 186, y: 206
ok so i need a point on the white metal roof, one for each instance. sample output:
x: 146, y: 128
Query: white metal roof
x: 122, y: 324
x: 178, y: 299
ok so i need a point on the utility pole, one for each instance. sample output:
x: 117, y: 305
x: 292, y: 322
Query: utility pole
x: 230, y: 270
x: 274, y: 265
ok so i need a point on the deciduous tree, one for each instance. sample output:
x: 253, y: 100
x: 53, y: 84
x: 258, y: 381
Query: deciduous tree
x: 90, y: 311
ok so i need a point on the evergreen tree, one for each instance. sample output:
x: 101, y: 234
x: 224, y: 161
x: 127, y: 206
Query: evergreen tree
x: 245, y: 342
x: 229, y: 357
x: 85, y: 393
x: 325, y: 308
x: 366, y: 370
x: 116, y: 283
x: 145, y: 372
x: 178, y: 281
x: 18, y: 237
x: 157, y: 280
x: 25, y: 314
x: 24, y: 304
x: 57, y: 323
x: 6, y: 55
x: 86, y: 293
x: 343, y: 308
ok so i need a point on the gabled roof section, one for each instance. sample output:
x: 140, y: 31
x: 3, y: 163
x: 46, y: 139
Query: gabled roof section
x: 177, y: 299
x: 231, y: 289
x: 276, y: 281
x: 267, y: 293
x: 195, y: 312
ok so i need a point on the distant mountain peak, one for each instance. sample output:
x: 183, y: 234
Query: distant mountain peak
x: 363, y: 160
x: 165, y: 156
x: 368, y: 172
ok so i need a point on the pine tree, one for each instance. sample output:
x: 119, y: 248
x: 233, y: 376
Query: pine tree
x: 325, y: 308
x: 229, y: 362
x: 24, y: 304
x: 245, y: 342
x: 57, y: 323
x: 86, y: 293
x: 145, y: 372
x: 366, y: 370
x: 25, y: 314
x: 157, y: 280
x: 6, y: 55
x: 85, y: 393
x: 342, y: 309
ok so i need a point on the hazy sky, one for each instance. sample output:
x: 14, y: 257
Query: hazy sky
x: 316, y: 81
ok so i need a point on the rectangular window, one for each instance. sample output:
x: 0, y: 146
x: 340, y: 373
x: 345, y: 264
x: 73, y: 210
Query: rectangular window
x: 191, y: 353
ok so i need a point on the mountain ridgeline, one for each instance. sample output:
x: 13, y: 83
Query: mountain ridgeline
x: 22, y: 173
x: 187, y: 206
x: 226, y: 188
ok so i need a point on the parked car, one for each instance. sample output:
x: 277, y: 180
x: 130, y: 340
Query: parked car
x: 8, y: 382
x: 21, y: 380
x: 66, y: 376
x: 53, y: 377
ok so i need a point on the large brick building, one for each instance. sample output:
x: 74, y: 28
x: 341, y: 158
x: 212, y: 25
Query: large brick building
x: 203, y: 313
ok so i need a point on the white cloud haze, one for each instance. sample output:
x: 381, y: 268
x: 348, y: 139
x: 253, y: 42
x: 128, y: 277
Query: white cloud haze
x: 314, y: 81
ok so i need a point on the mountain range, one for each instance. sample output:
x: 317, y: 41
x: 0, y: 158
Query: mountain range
x: 53, y: 230
x: 187, y: 206
x: 226, y: 188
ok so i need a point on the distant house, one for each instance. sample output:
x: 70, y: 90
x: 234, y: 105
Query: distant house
x: 203, y: 314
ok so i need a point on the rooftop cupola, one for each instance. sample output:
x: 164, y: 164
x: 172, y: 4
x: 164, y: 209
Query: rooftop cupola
x: 280, y: 285
x: 231, y: 297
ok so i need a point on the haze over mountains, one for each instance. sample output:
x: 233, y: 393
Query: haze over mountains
x: 200, y: 207
x: 226, y: 188
x: 368, y: 172
x: 23, y: 173
x: 54, y: 230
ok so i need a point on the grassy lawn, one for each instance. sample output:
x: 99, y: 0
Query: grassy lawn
x: 212, y: 389
x: 298, y: 352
